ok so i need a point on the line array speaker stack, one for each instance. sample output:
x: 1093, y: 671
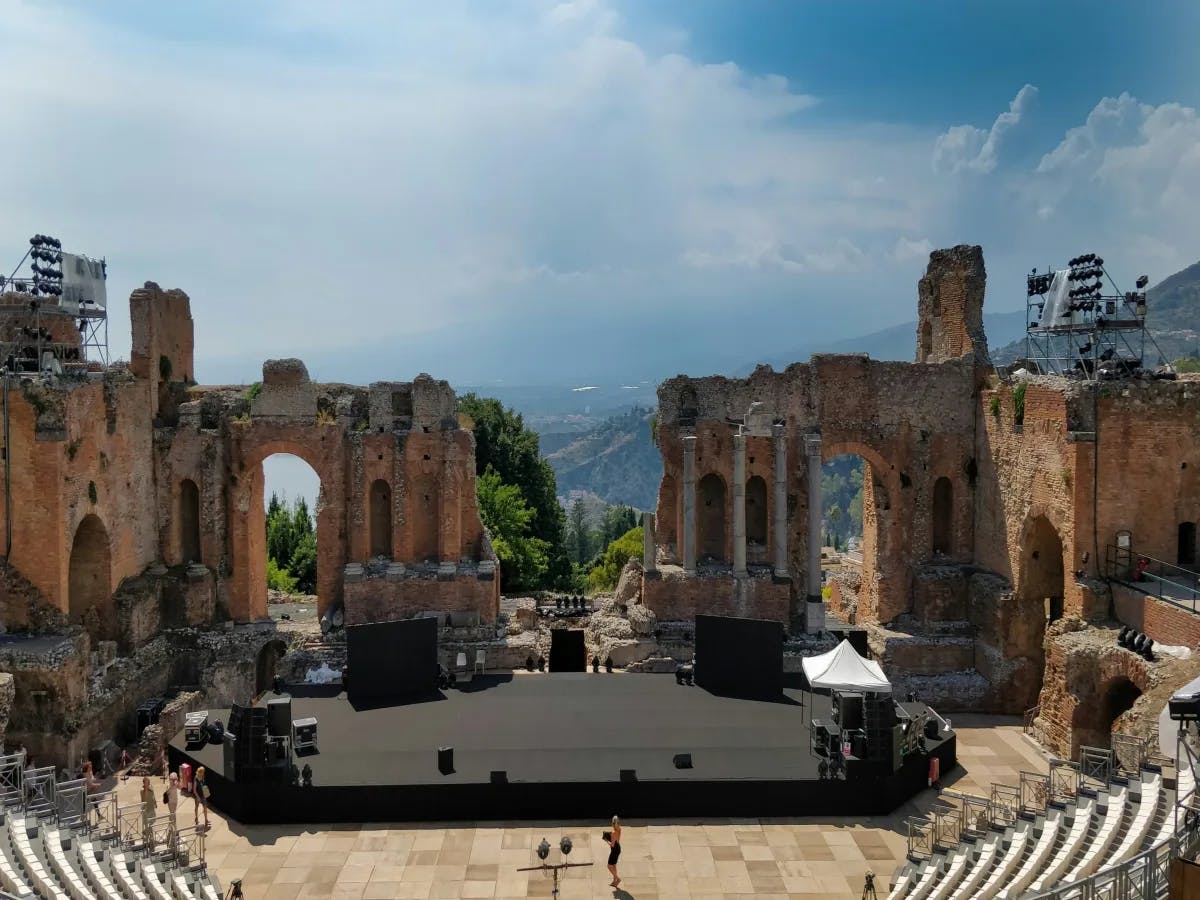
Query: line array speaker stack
x: 255, y: 756
x: 879, y: 723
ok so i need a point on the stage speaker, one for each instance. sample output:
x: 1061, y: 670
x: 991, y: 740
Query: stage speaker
x: 897, y: 747
x: 628, y: 776
x: 279, y: 716
x: 446, y: 760
x: 683, y: 760
x: 229, y: 756
x: 848, y: 710
x: 858, y: 745
x: 932, y: 729
x: 499, y: 776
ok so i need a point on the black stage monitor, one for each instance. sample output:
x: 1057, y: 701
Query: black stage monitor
x: 392, y: 659
x: 741, y: 657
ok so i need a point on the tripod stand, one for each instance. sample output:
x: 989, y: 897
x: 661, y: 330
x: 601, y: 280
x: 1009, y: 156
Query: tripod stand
x: 869, y: 887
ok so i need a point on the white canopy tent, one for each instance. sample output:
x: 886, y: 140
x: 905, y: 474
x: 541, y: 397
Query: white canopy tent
x: 842, y: 669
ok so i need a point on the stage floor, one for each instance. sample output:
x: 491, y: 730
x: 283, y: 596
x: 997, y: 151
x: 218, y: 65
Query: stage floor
x: 549, y: 733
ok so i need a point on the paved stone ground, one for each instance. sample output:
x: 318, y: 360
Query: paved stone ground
x: 686, y: 859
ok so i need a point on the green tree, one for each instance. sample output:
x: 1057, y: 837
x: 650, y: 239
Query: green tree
x: 1187, y: 364
x: 281, y: 541
x: 509, y: 521
x: 578, y: 536
x: 303, y: 564
x: 835, y: 521
x: 617, y: 521
x: 279, y: 579
x: 605, y: 574
x: 503, y: 443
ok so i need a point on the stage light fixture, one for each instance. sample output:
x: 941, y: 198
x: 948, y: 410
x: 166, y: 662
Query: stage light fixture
x: 543, y: 850
x: 1142, y: 281
x: 565, y: 845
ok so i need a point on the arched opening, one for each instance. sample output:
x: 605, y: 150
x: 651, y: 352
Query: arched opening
x: 710, y: 514
x: 267, y: 665
x: 689, y: 406
x: 926, y: 340
x: 1096, y: 719
x: 666, y: 521
x: 90, y: 580
x: 943, y: 517
x: 424, y: 501
x: 1039, y: 602
x: 381, y: 519
x: 1185, y: 553
x: 189, y: 522
x: 756, y: 511
x: 290, y: 496
x: 842, y: 498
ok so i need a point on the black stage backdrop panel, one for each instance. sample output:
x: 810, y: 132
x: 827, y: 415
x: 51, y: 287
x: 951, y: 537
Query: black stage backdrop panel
x: 392, y: 659
x: 567, y: 651
x: 739, y: 657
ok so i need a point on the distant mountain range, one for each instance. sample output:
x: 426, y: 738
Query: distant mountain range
x: 616, y: 460
x: 898, y: 342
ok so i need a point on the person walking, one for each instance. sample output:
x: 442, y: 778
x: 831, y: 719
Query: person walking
x: 149, y: 807
x: 173, y: 796
x: 200, y: 795
x: 613, y: 838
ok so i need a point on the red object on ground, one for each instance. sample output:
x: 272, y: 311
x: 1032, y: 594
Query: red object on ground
x: 935, y: 771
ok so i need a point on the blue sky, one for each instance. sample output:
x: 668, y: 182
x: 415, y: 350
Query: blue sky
x: 529, y: 191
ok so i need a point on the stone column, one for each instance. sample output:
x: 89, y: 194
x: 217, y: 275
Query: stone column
x: 649, y: 549
x: 689, y: 504
x: 814, y: 618
x: 779, y: 433
x: 739, y: 505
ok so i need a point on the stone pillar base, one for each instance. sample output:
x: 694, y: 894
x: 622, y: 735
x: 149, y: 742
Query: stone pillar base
x: 814, y: 617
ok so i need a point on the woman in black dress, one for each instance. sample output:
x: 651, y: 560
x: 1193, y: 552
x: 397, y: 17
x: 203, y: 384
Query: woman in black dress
x: 614, y: 853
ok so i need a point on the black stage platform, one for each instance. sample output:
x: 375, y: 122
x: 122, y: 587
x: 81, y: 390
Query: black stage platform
x: 563, y: 740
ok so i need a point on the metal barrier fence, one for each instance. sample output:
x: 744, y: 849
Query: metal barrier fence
x: 1154, y: 577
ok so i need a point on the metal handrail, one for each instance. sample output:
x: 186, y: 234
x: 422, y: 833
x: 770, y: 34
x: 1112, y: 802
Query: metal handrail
x: 1154, y: 577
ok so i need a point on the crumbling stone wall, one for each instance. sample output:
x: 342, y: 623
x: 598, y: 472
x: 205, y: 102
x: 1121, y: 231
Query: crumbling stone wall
x: 950, y: 307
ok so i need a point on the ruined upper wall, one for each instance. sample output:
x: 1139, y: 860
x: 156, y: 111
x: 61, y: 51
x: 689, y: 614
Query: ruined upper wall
x: 950, y: 306
x: 163, y: 343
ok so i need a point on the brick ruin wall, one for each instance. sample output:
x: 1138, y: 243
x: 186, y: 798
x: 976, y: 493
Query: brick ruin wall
x: 137, y: 505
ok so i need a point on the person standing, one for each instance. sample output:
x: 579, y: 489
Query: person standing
x: 148, y: 809
x: 200, y: 795
x: 173, y: 796
x: 614, y: 853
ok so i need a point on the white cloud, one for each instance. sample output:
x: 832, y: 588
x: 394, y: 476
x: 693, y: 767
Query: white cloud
x: 908, y: 249
x: 967, y: 148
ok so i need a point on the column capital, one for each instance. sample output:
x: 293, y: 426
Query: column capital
x: 739, y: 441
x: 689, y: 443
x: 812, y: 444
x: 779, y: 431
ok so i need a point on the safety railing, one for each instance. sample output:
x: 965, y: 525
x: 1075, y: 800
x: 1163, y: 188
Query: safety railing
x: 70, y: 803
x: 1145, y: 876
x: 1006, y: 803
x: 1154, y: 577
x: 1095, y: 765
x: 102, y: 815
x: 1064, y: 780
x: 1034, y: 792
x: 12, y: 778
x: 1028, y: 719
x: 1129, y: 753
x: 920, y: 838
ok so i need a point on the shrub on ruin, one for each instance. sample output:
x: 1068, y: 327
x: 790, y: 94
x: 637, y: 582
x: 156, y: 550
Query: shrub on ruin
x: 1018, y: 402
x: 279, y: 579
x: 994, y: 406
x: 605, y: 575
x: 509, y: 521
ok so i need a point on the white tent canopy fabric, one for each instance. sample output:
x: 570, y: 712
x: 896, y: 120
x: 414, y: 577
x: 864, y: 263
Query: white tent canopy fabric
x: 842, y: 669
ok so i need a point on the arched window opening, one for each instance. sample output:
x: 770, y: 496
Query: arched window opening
x: 90, y: 579
x: 1186, y: 553
x: 189, y: 522
x: 756, y: 510
x: 425, y: 519
x: 381, y: 519
x: 710, y: 503
x: 943, y: 516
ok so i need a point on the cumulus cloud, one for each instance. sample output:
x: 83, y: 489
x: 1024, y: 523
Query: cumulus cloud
x: 908, y: 249
x: 971, y: 149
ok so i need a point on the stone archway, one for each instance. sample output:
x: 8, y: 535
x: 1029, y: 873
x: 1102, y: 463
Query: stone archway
x: 943, y: 517
x: 321, y: 448
x: 1095, y: 719
x: 756, y: 510
x: 710, y: 518
x: 884, y: 593
x: 381, y: 519
x: 1039, y: 599
x: 189, y: 522
x: 90, y: 580
x: 424, y: 508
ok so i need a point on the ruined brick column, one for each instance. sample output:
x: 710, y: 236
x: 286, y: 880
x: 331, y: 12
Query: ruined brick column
x: 814, y: 608
x: 739, y: 505
x: 689, y: 504
x: 648, y: 552
x: 779, y: 433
